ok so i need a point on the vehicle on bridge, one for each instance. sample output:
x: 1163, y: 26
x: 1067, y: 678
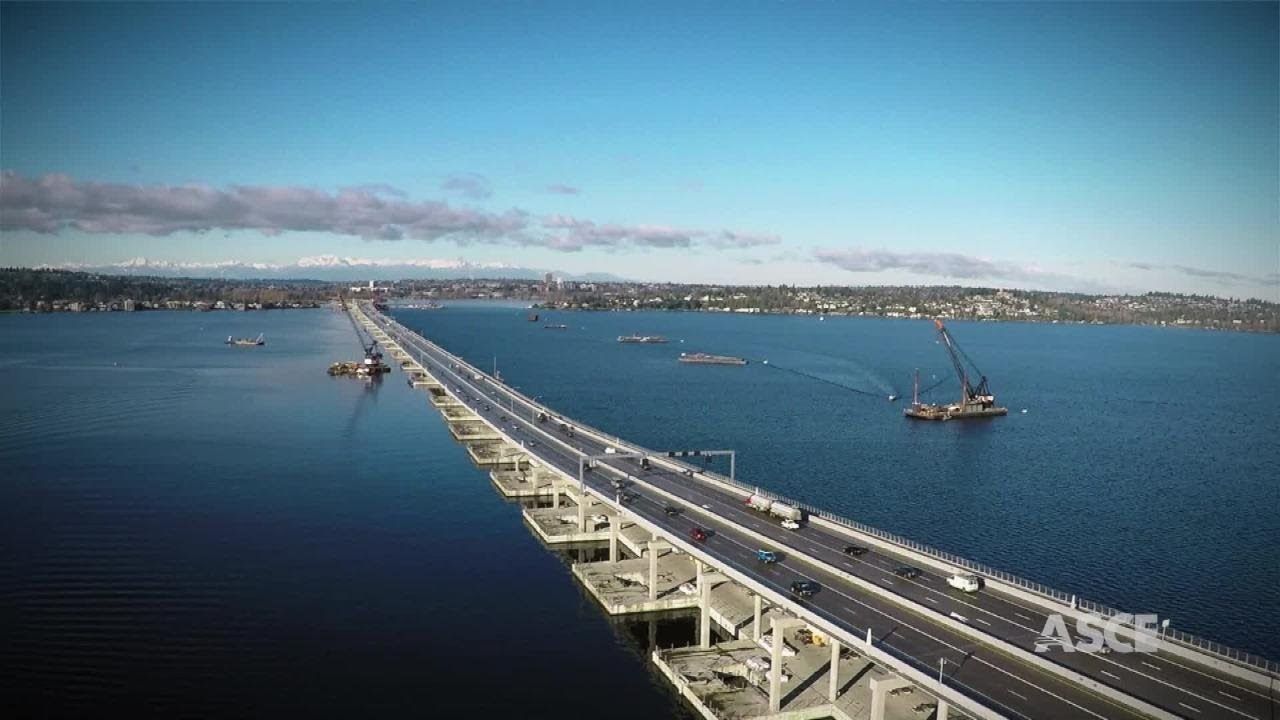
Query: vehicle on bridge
x: 854, y: 550
x: 785, y: 512
x: 671, y: 510
x: 766, y: 556
x: 804, y: 588
x: 964, y: 581
x: 698, y: 534
x: 790, y: 524
x: 759, y: 502
x: 908, y: 572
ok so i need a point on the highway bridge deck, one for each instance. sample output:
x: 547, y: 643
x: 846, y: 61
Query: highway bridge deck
x: 983, y: 642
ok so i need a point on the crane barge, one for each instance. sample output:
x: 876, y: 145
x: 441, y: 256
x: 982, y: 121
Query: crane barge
x: 372, y: 366
x: 976, y: 401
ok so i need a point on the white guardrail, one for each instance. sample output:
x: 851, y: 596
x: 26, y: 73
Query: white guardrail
x: 1069, y: 600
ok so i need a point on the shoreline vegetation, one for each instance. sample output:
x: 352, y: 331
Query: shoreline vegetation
x: 39, y: 290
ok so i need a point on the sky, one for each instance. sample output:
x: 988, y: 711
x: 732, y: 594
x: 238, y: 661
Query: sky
x: 1088, y: 147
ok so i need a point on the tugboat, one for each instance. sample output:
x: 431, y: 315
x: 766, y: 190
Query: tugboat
x: 975, y: 401
x: 247, y: 342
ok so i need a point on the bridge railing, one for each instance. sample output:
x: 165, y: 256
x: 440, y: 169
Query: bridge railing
x: 1105, y: 611
x: 1068, y: 599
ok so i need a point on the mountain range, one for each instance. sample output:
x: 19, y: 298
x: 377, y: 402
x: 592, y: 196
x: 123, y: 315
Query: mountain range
x: 332, y: 268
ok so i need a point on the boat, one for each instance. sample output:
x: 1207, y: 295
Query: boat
x: 533, y: 317
x: 976, y: 401
x: 706, y: 359
x: 246, y: 342
x: 642, y: 339
x: 555, y: 327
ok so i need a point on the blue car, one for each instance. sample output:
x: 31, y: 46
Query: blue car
x: 766, y: 556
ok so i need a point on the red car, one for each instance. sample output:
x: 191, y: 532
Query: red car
x: 698, y: 534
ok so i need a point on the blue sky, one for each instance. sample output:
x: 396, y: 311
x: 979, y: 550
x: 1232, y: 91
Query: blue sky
x: 1090, y: 146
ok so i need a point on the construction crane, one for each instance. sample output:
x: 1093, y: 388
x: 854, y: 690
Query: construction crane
x: 371, y: 351
x: 976, y: 401
x: 980, y: 392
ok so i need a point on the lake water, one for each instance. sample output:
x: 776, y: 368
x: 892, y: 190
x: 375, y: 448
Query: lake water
x: 230, y: 531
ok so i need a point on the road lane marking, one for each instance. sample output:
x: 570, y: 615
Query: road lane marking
x: 1024, y: 617
x: 1233, y: 697
x: 1189, y: 707
x: 1018, y: 694
x: 1110, y: 675
x: 1153, y: 667
x: 935, y: 602
x: 980, y: 620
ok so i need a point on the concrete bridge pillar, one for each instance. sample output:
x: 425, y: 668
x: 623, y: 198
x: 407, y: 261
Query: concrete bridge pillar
x: 614, y: 522
x: 879, y: 688
x: 777, y: 625
x: 653, y: 570
x: 555, y: 493
x: 755, y: 628
x: 705, y: 580
x: 943, y: 710
x: 582, y: 512
x: 834, y: 672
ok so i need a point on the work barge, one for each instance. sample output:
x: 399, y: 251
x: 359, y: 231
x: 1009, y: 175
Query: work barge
x: 761, y: 652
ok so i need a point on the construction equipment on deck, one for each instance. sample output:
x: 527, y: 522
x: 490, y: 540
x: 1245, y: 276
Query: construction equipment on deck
x: 975, y: 400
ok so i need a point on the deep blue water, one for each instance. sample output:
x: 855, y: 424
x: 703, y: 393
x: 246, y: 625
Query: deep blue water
x: 1145, y: 473
x: 193, y: 529
x: 187, y: 526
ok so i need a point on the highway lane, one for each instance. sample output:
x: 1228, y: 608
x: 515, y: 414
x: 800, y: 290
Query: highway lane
x: 1165, y: 681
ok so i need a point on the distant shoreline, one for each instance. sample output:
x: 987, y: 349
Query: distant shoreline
x: 961, y: 318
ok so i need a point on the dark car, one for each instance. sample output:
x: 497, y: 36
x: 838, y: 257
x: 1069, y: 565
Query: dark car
x: 854, y: 550
x: 671, y: 510
x: 486, y: 406
x: 804, y: 588
x: 698, y: 534
x: 908, y: 572
x: 502, y: 417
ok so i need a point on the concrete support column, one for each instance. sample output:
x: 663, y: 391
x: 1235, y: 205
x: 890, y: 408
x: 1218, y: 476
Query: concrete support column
x: 614, y: 522
x: 755, y: 628
x: 943, y: 710
x: 834, y: 672
x: 582, y: 512
x: 879, y: 688
x: 555, y: 494
x: 704, y: 622
x: 877, y: 699
x: 775, y: 670
x: 653, y: 570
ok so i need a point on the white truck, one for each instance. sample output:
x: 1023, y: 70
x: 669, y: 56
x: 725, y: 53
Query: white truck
x: 785, y: 512
x: 964, y: 581
x: 759, y: 502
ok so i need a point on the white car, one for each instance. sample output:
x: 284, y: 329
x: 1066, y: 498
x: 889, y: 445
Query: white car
x: 964, y: 581
x: 609, y: 451
x: 790, y: 524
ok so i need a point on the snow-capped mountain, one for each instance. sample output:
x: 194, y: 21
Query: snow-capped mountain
x: 329, y: 267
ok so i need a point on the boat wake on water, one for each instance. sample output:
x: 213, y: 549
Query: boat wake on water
x: 891, y: 395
